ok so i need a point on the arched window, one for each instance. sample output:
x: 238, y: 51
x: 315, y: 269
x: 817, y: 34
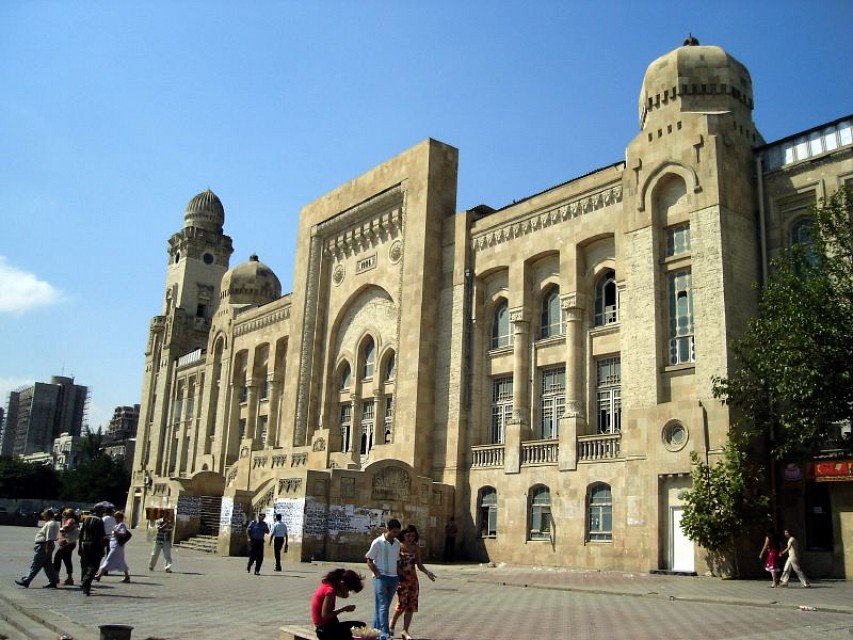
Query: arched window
x: 368, y: 353
x: 552, y: 314
x: 488, y: 510
x: 390, y: 367
x: 501, y: 337
x: 599, y: 513
x: 540, y: 513
x: 606, y: 300
x: 346, y: 376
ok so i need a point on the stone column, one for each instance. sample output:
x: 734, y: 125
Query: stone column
x: 572, y: 422
x: 518, y: 428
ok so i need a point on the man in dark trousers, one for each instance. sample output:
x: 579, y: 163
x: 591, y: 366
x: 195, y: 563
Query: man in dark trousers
x: 279, y: 537
x: 450, y: 530
x: 91, y: 549
x: 256, y: 532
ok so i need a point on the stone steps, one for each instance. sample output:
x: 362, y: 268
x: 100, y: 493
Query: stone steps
x: 201, y: 542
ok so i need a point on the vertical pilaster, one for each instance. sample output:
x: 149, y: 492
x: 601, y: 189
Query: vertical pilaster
x: 572, y: 422
x: 518, y: 428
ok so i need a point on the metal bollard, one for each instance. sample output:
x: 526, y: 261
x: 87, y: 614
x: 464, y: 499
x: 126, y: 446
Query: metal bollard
x: 115, y: 631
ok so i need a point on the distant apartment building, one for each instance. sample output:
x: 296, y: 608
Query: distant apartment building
x: 66, y: 452
x: 120, y: 438
x: 38, y: 414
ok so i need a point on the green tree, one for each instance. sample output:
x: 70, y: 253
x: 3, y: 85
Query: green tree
x: 726, y: 500
x: 100, y: 478
x: 20, y: 479
x: 793, y: 382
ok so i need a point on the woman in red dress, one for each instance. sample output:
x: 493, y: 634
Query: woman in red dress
x: 771, y: 563
x: 408, y: 588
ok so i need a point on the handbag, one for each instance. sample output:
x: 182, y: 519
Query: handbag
x: 122, y: 540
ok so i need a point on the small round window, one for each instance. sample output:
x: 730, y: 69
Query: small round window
x: 674, y: 435
x: 208, y: 258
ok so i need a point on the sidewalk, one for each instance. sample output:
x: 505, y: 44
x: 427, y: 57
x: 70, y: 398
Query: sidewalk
x: 211, y: 596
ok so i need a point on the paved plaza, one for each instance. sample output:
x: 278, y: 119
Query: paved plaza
x: 212, y: 597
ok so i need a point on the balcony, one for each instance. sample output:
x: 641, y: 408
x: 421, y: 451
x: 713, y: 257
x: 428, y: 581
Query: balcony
x: 489, y: 455
x: 605, y: 446
x: 537, y: 452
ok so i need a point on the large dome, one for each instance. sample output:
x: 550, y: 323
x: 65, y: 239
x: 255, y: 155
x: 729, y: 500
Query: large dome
x: 251, y: 282
x: 694, y: 78
x: 205, y: 211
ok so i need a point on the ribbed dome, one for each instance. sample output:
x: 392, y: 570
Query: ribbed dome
x: 694, y: 78
x: 251, y: 282
x: 205, y: 211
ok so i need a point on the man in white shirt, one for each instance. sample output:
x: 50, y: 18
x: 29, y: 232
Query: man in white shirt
x: 43, y: 550
x: 278, y: 538
x: 793, y: 562
x: 382, y: 560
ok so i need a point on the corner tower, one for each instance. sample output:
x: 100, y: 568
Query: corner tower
x: 198, y: 257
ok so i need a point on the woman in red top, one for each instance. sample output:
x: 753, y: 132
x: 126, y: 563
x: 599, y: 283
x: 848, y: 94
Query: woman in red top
x: 337, y: 583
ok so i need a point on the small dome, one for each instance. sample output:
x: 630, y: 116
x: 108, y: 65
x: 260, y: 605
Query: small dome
x: 251, y: 282
x: 205, y: 211
x: 694, y: 78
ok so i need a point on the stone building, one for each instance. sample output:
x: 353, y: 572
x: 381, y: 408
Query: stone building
x: 540, y: 371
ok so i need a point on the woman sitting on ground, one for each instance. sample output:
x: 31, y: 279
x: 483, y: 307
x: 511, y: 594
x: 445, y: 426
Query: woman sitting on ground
x: 337, y: 583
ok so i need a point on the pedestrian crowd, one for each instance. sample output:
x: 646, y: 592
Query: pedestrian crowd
x: 99, y: 537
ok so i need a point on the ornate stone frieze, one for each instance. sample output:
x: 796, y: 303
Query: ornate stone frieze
x: 543, y: 219
x: 259, y: 462
x: 232, y: 473
x: 279, y: 460
x: 267, y: 500
x: 392, y: 483
x: 289, y: 485
x: 299, y: 459
x: 364, y: 226
x: 265, y: 320
x: 319, y: 445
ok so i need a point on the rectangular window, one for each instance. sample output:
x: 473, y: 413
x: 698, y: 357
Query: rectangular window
x: 265, y: 389
x: 345, y: 422
x: 678, y: 239
x: 552, y: 401
x: 609, y: 394
x: 681, y: 346
x: 501, y: 407
x: 242, y: 425
x: 389, y: 418
x: 262, y: 429
x: 368, y: 417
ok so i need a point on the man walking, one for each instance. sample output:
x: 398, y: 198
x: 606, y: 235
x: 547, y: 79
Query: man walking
x: 162, y: 541
x: 382, y: 560
x: 278, y: 539
x: 793, y: 562
x: 42, y: 552
x: 256, y: 532
x: 91, y: 548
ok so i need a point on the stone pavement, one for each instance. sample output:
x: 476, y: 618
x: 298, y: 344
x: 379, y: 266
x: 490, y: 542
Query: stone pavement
x: 212, y: 597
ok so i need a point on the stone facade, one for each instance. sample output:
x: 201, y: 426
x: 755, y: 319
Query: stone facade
x: 540, y: 372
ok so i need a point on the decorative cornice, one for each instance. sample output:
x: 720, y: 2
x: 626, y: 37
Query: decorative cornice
x: 363, y: 226
x: 543, y: 219
x: 248, y: 326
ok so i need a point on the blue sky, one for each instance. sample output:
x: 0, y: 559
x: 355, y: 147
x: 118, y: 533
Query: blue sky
x: 113, y: 115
